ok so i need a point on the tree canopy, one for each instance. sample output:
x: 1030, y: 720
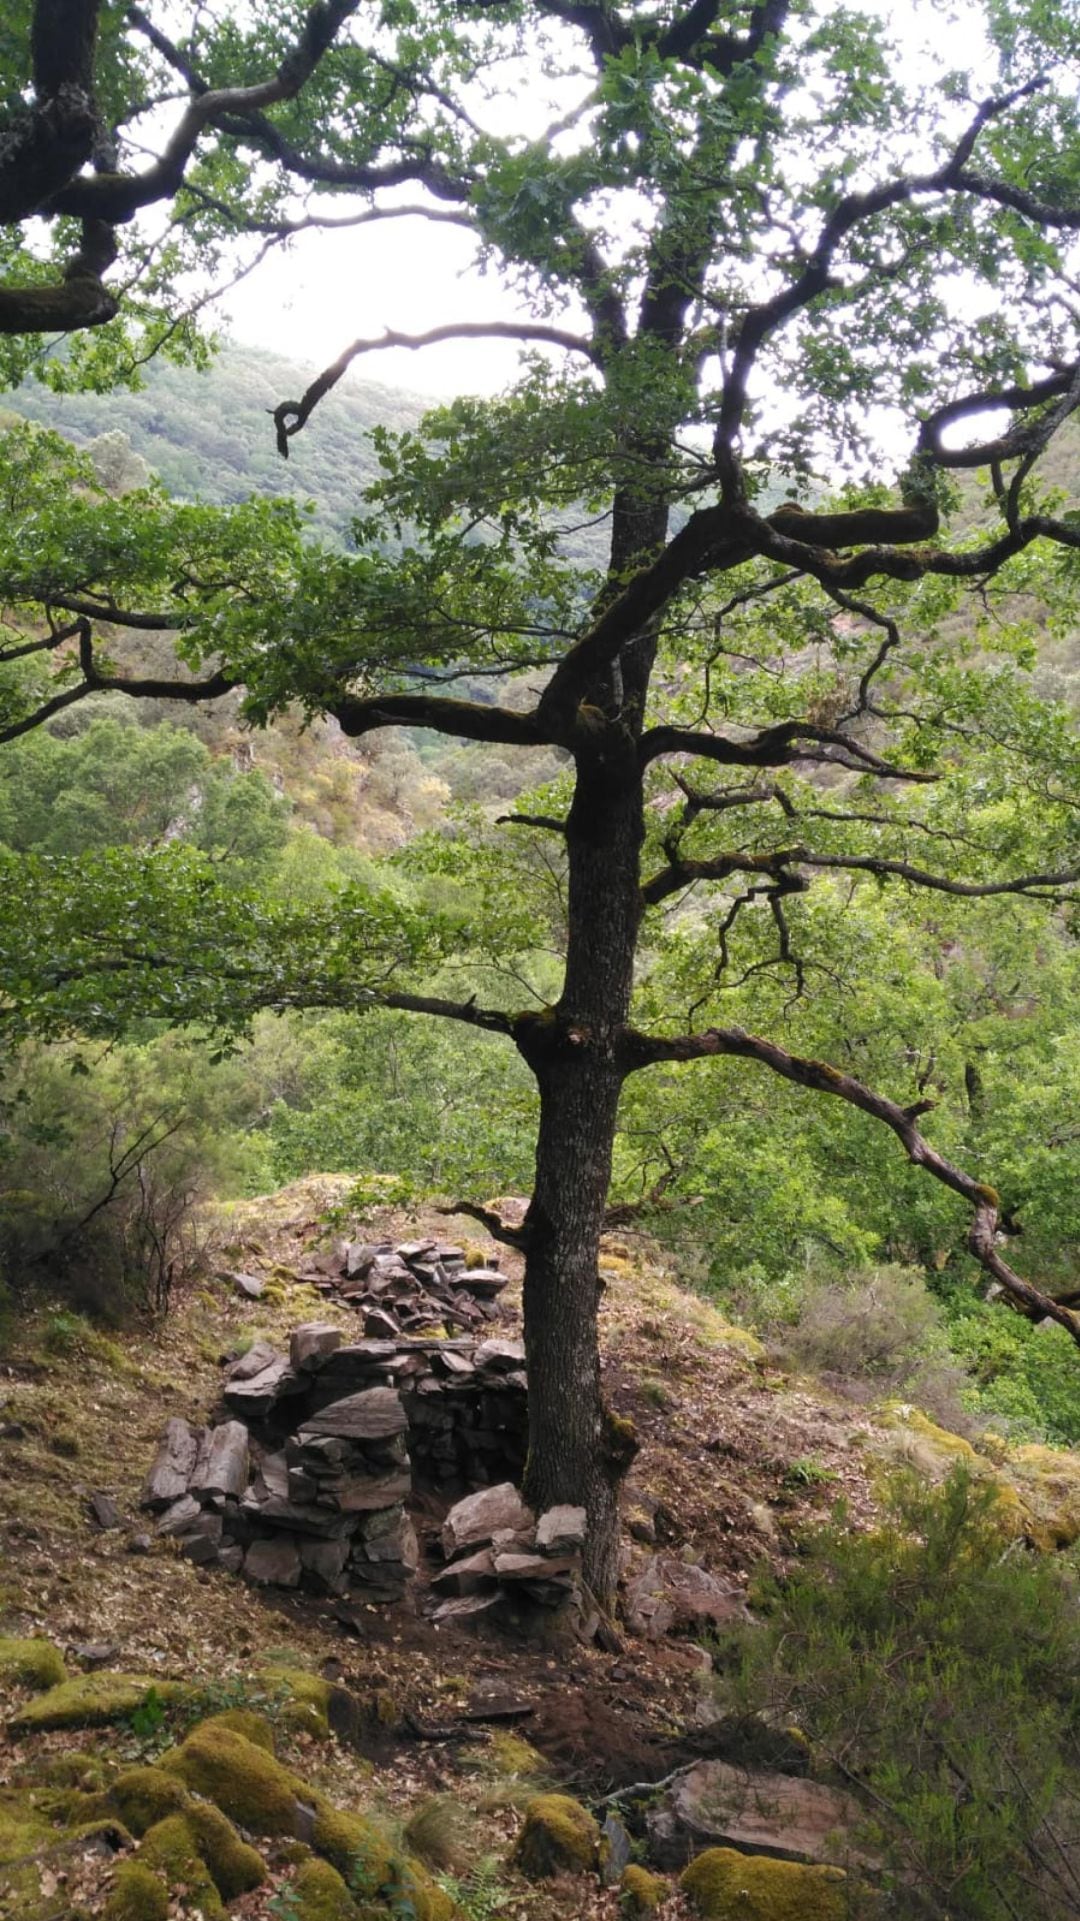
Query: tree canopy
x: 800, y: 332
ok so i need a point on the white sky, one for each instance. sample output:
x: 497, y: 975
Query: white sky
x: 408, y: 275
x: 332, y: 288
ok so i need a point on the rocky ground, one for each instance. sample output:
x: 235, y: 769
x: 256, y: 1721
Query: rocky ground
x: 429, y: 1722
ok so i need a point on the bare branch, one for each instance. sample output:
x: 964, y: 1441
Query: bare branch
x: 464, y: 719
x: 683, y: 872
x: 779, y: 746
x: 546, y: 821
x: 643, y: 1050
x: 499, y: 1229
x: 292, y: 415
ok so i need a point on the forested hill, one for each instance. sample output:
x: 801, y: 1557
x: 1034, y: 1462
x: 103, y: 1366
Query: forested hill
x: 209, y: 436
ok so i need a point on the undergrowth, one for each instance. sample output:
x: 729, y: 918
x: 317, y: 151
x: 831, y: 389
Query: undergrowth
x: 934, y: 1668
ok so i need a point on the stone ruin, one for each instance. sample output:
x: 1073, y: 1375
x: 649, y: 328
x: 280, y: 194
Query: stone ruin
x: 399, y: 1290
x: 306, y: 1479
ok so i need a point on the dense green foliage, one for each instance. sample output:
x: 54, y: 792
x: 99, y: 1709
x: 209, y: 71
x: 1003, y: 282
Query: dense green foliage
x: 934, y: 1668
x: 204, y: 433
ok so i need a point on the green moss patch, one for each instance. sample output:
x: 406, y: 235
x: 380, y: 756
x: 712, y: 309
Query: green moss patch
x: 253, y: 1789
x: 320, y: 1894
x: 91, y: 1701
x: 36, y: 1664
x: 241, y: 1778
x: 171, y: 1852
x: 25, y: 1826
x: 722, y: 1883
x: 144, y: 1796
x: 641, y: 1892
x: 559, y: 1837
x: 304, y: 1699
x: 137, y: 1895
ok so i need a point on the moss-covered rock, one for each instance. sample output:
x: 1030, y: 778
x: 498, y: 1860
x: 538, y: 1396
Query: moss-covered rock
x: 1037, y: 1488
x: 25, y: 1826
x: 80, y: 1769
x: 144, y: 1796
x: 36, y: 1663
x: 1047, y: 1483
x: 248, y: 1722
x: 508, y: 1757
x: 240, y: 1777
x: 319, y: 1894
x: 641, y: 1891
x: 93, y: 1700
x: 559, y: 1837
x: 260, y: 1794
x: 137, y: 1895
x: 303, y: 1699
x: 236, y: 1868
x: 723, y: 1884
x: 170, y: 1851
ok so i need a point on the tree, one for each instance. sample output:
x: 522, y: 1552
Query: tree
x: 772, y: 251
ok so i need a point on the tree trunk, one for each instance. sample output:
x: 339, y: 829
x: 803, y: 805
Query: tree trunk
x: 577, y: 1453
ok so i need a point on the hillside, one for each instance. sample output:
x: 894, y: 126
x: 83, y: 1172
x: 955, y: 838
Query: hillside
x: 439, y: 1735
x: 208, y: 436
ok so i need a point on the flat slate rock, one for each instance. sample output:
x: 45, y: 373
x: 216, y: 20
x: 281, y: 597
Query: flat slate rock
x: 259, y: 1355
x: 104, y: 1511
x: 181, y: 1516
x: 715, y: 1805
x: 255, y: 1393
x: 500, y: 1355
x: 669, y: 1597
x: 467, y: 1608
x: 473, y: 1521
x: 561, y: 1530
x: 228, y: 1460
x: 273, y: 1563
x: 174, y: 1465
x: 371, y: 1415
x: 250, y: 1287
x: 313, y: 1342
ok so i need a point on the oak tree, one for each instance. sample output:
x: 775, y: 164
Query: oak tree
x: 749, y: 544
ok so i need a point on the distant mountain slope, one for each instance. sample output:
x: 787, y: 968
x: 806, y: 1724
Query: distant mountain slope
x: 209, y: 436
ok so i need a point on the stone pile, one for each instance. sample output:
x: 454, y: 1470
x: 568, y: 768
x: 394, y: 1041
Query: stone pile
x: 398, y: 1290
x: 306, y: 1480
x: 497, y: 1552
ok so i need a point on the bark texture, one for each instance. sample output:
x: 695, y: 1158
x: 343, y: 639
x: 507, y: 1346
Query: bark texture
x: 577, y: 1452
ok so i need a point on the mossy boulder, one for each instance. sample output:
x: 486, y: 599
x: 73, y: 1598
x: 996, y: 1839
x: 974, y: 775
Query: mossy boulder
x: 93, y: 1700
x: 319, y: 1894
x: 559, y: 1837
x: 508, y: 1756
x: 25, y: 1825
x: 260, y: 1794
x: 144, y: 1796
x: 171, y: 1853
x: 199, y: 1850
x: 1047, y: 1483
x: 137, y: 1895
x: 723, y: 1884
x: 236, y: 1868
x: 240, y: 1777
x: 246, y: 1721
x: 1037, y: 1488
x: 35, y: 1663
x: 641, y: 1892
x: 302, y: 1699
x: 80, y: 1769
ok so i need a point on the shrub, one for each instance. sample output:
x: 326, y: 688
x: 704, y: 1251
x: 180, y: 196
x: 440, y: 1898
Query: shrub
x: 876, y: 1330
x: 936, y: 1669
